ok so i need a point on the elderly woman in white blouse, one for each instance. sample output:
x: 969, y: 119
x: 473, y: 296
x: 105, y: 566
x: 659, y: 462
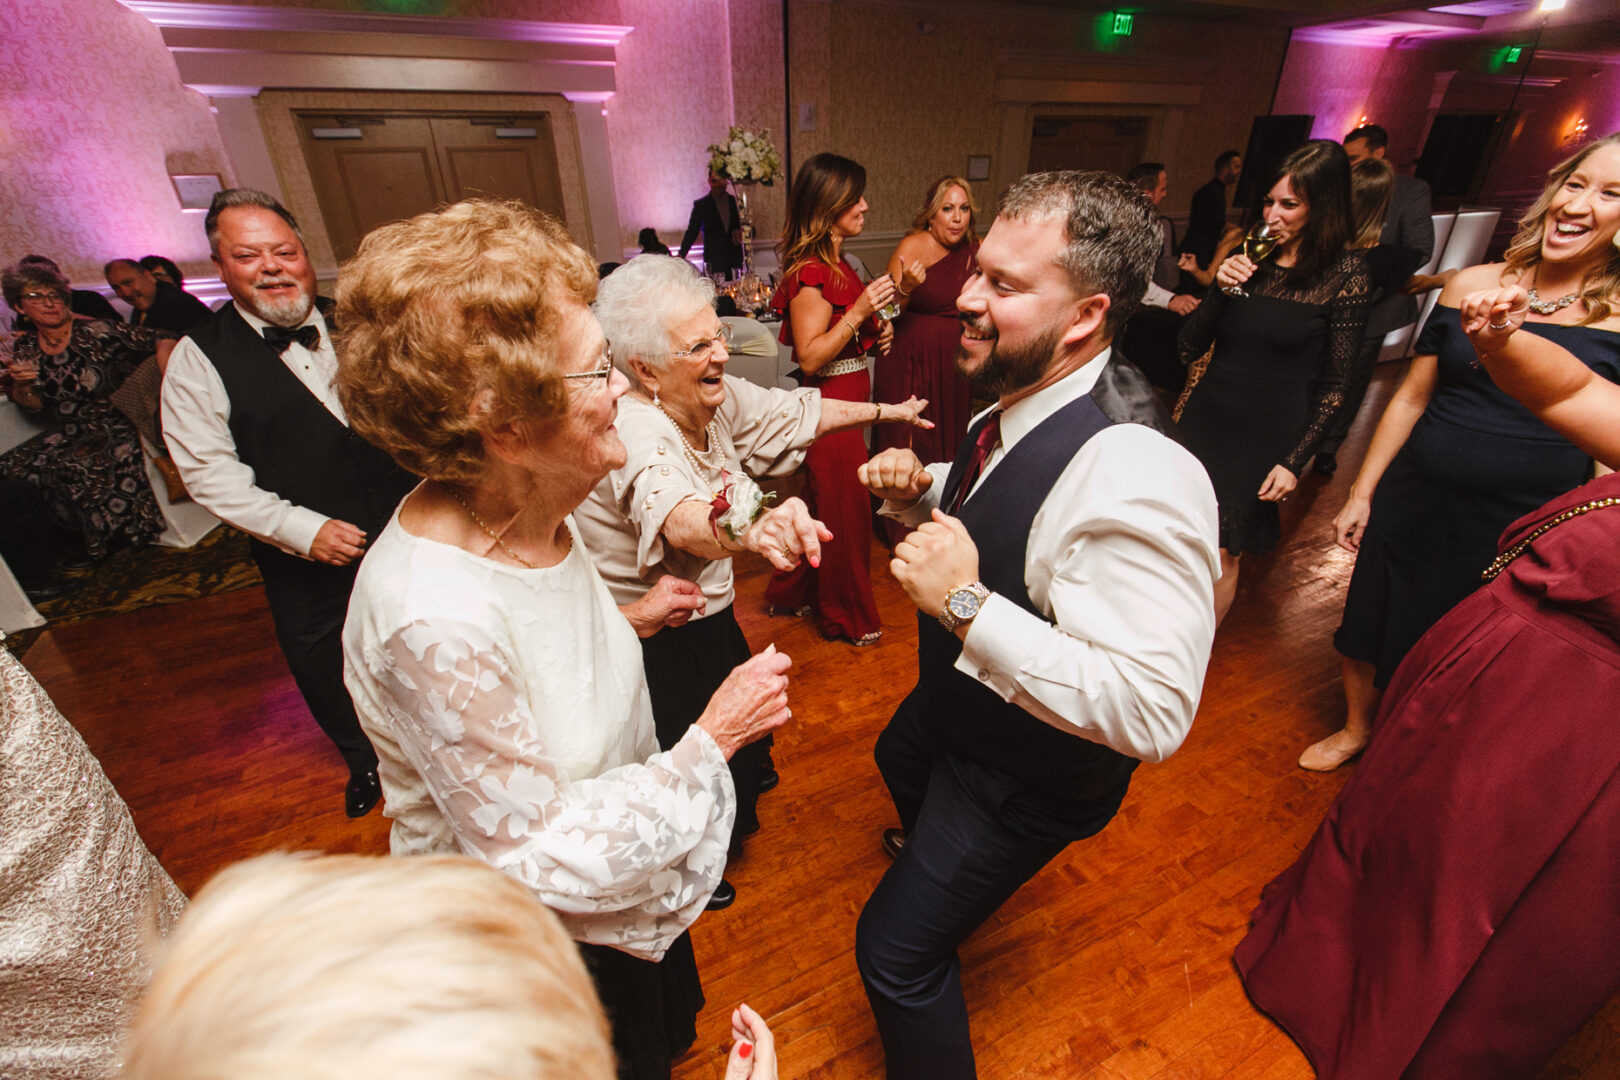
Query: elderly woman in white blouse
x: 498, y: 680
x: 684, y: 502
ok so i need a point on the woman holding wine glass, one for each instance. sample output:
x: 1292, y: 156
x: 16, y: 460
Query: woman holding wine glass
x: 830, y: 320
x: 1282, y: 349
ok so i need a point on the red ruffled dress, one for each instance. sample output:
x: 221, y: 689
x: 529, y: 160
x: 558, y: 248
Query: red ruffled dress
x: 839, y: 593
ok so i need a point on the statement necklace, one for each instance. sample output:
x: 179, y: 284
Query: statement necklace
x: 493, y: 535
x: 702, y: 461
x: 1550, y: 307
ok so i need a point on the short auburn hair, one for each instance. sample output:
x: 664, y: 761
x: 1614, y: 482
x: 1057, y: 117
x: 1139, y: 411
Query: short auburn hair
x: 436, y: 967
x: 447, y: 326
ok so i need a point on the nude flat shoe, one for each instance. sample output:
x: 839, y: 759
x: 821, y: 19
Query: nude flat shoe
x: 1331, y: 752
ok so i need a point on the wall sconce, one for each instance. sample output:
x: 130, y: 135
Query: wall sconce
x: 1578, y: 132
x: 1364, y: 121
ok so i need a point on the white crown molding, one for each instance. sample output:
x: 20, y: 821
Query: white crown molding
x: 168, y: 13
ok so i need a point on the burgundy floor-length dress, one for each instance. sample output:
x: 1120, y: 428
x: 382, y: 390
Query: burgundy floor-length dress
x: 839, y: 592
x: 1457, y: 914
x: 922, y: 363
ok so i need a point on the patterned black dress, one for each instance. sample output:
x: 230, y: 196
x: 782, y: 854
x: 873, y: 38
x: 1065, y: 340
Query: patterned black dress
x: 89, y: 466
x: 1283, y: 356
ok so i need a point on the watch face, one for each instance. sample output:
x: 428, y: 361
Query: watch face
x: 963, y: 603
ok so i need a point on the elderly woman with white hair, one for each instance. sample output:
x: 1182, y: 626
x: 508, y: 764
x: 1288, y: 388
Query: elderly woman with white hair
x: 685, y: 502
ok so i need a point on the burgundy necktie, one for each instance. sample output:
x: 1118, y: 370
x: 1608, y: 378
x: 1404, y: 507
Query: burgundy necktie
x: 989, y: 436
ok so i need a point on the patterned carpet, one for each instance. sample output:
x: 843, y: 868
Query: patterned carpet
x: 133, y: 579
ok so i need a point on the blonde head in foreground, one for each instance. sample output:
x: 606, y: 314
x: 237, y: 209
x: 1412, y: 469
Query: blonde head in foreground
x: 430, y: 968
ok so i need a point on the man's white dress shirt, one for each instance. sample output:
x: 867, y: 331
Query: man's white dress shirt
x: 196, y: 425
x: 1122, y: 560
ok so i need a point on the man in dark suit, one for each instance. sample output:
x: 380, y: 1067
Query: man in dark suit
x: 154, y: 303
x: 1409, y: 227
x: 261, y: 439
x: 715, y: 216
x: 1150, y: 334
x: 1207, y: 220
x: 1063, y: 568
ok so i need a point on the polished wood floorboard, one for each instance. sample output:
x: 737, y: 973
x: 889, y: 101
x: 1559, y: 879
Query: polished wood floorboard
x: 1113, y: 963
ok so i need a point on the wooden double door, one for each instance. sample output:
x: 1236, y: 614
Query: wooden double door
x: 371, y: 168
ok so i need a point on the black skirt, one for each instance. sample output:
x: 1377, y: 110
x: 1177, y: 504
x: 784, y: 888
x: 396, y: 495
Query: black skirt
x: 685, y: 666
x: 651, y: 1006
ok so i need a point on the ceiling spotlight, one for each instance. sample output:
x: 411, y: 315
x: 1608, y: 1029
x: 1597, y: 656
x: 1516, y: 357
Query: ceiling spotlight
x: 1552, y: 5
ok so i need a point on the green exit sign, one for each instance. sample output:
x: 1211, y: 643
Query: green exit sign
x: 1514, y: 53
x: 1124, y: 22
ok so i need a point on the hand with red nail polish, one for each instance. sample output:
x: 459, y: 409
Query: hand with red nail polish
x: 753, y: 1053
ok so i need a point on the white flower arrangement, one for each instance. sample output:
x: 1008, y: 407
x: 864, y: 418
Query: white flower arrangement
x: 745, y: 157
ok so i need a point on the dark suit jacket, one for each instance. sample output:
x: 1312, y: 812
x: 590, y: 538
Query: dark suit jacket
x: 172, y: 309
x: 720, y: 251
x: 1409, y: 225
x: 1206, y: 221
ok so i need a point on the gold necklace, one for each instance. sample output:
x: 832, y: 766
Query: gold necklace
x: 493, y: 535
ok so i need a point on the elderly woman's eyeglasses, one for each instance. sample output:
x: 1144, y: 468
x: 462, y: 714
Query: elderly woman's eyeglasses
x: 602, y: 371
x: 43, y: 298
x: 703, y: 347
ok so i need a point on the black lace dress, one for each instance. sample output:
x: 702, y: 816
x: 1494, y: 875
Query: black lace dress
x: 89, y: 465
x: 1276, y: 381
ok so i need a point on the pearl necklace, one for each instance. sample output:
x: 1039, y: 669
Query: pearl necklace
x: 493, y: 535
x: 712, y: 430
x: 1550, y: 307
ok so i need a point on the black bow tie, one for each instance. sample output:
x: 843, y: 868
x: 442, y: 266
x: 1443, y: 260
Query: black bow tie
x: 279, y: 337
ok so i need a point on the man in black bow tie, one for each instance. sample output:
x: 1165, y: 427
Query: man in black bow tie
x: 262, y: 442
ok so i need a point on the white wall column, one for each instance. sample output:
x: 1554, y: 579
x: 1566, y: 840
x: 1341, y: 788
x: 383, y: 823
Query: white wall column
x: 243, y: 136
x: 590, y: 120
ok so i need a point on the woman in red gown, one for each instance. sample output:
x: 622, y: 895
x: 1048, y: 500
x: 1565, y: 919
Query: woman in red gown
x: 828, y: 318
x: 1458, y: 912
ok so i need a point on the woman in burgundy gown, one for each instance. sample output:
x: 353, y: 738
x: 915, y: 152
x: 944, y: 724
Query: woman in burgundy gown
x: 932, y: 264
x: 1458, y: 912
x: 828, y: 318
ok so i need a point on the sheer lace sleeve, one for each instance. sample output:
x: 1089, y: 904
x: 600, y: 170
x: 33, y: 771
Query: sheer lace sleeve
x: 1346, y: 320
x: 1198, y: 332
x: 643, y: 843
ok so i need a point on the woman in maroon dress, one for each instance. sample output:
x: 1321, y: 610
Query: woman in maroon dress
x: 1458, y: 912
x: 828, y: 318
x: 931, y: 264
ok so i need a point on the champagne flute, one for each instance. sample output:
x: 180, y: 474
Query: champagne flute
x: 1260, y: 242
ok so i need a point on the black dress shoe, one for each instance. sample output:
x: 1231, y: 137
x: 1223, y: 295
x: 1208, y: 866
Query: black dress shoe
x: 723, y: 897
x: 82, y: 561
x: 1325, y: 465
x: 364, y: 792
x: 769, y: 779
x: 893, y: 841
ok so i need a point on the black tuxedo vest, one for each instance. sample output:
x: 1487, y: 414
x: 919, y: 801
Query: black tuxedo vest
x: 1054, y: 781
x: 294, y: 445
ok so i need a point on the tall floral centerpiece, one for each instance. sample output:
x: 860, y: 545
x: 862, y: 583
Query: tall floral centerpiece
x: 745, y: 158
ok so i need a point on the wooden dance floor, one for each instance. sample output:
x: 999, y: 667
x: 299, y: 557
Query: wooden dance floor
x: 1113, y: 963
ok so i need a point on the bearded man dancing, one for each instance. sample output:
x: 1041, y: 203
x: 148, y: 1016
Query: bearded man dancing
x: 1064, y: 568
x: 260, y: 438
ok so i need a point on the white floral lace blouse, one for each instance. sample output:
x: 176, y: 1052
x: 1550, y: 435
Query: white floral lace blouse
x: 510, y: 714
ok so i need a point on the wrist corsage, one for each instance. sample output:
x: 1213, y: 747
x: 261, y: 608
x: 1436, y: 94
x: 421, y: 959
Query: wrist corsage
x: 739, y: 504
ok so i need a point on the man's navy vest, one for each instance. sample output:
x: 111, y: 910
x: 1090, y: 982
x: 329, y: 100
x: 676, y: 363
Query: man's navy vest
x: 294, y: 445
x: 1032, y: 770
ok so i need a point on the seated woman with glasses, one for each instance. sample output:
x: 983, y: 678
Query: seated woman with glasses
x: 85, y: 476
x: 683, y: 503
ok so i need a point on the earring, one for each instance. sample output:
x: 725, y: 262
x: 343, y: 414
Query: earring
x: 656, y: 402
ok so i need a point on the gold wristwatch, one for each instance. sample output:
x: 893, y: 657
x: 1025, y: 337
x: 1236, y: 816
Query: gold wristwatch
x: 962, y: 604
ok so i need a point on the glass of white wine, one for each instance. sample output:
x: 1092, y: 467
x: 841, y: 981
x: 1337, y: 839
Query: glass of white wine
x: 1257, y: 245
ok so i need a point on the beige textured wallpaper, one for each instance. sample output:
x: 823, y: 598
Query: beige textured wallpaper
x: 91, y: 126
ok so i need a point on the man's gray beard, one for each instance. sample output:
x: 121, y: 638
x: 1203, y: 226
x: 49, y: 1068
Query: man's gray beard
x: 1006, y: 370
x: 284, y: 313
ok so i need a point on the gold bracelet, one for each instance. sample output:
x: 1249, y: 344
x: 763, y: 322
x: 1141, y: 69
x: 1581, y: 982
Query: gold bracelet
x: 877, y: 418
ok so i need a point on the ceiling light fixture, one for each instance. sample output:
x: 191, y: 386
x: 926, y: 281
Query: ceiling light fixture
x: 1552, y: 5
